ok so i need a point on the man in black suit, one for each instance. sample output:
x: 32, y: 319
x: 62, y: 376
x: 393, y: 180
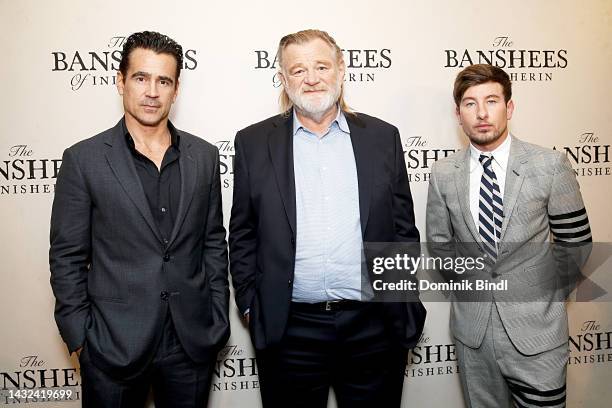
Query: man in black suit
x: 138, y: 253
x: 311, y: 186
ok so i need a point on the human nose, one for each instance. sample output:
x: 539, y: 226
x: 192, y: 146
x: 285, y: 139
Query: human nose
x: 152, y: 90
x: 482, y: 111
x: 312, y: 77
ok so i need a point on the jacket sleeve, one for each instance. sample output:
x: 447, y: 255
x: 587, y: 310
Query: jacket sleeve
x: 403, y: 208
x: 569, y: 225
x: 439, y: 230
x: 70, y: 251
x: 215, y: 253
x: 567, y: 215
x: 438, y: 225
x: 242, y: 232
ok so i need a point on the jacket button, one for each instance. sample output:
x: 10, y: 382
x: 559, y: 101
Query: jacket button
x: 289, y: 282
x: 166, y: 257
x: 164, y: 295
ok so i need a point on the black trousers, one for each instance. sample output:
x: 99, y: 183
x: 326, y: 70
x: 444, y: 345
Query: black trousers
x: 348, y: 350
x: 176, y: 380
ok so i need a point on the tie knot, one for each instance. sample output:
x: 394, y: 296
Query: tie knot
x: 485, y: 160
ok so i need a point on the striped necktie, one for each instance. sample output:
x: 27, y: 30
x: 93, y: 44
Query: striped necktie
x: 490, y: 207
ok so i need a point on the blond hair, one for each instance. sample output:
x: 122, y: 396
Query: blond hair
x: 302, y: 37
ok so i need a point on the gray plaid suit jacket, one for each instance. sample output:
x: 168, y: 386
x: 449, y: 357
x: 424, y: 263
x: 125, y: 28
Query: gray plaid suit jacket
x: 541, y: 196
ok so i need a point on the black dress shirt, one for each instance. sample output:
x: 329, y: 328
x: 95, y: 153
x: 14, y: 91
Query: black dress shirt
x: 162, y: 187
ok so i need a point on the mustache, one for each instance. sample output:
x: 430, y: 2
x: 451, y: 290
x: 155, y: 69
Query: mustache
x: 151, y: 103
x: 314, y: 89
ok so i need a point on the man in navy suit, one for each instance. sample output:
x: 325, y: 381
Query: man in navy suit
x: 312, y: 185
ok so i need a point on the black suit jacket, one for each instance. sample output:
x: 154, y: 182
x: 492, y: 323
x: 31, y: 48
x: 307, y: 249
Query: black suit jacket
x: 113, y: 277
x: 263, y: 220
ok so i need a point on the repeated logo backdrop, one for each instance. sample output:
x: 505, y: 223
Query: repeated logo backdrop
x: 98, y: 67
x: 522, y: 63
x: 59, y: 70
x: 23, y: 171
x: 362, y: 65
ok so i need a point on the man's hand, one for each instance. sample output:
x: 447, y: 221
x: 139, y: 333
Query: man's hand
x: 78, y: 351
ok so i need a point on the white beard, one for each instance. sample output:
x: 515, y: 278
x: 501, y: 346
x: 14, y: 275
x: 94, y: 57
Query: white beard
x: 315, y: 108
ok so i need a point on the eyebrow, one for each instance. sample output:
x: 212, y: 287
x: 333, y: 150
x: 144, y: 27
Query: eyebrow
x: 148, y: 75
x: 317, y: 62
x: 165, y: 78
x: 486, y: 97
x: 141, y: 73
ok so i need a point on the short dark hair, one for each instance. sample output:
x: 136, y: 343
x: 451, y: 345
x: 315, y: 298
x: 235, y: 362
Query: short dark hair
x: 481, y: 74
x: 154, y: 41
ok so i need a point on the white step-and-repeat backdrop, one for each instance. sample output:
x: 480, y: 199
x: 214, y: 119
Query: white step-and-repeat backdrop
x: 59, y: 60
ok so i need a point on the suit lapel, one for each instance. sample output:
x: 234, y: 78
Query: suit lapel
x: 189, y: 169
x: 280, y: 145
x: 362, y: 150
x: 122, y: 165
x: 514, y: 180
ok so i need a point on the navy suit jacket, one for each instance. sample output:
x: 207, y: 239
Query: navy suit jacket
x: 263, y: 220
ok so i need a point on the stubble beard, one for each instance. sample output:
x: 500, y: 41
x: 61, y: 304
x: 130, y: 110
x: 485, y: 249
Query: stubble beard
x: 483, y: 139
x: 149, y: 120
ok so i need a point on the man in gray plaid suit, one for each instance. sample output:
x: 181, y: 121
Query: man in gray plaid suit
x: 508, y: 197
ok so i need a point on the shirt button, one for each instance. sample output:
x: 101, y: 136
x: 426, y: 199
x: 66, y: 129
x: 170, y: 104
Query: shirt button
x: 163, y: 209
x: 164, y: 295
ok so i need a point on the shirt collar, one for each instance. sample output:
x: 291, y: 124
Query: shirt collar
x: 175, y: 138
x: 501, y: 154
x: 340, y: 121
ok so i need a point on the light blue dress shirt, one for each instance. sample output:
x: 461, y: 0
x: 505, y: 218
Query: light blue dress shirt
x: 328, y: 260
